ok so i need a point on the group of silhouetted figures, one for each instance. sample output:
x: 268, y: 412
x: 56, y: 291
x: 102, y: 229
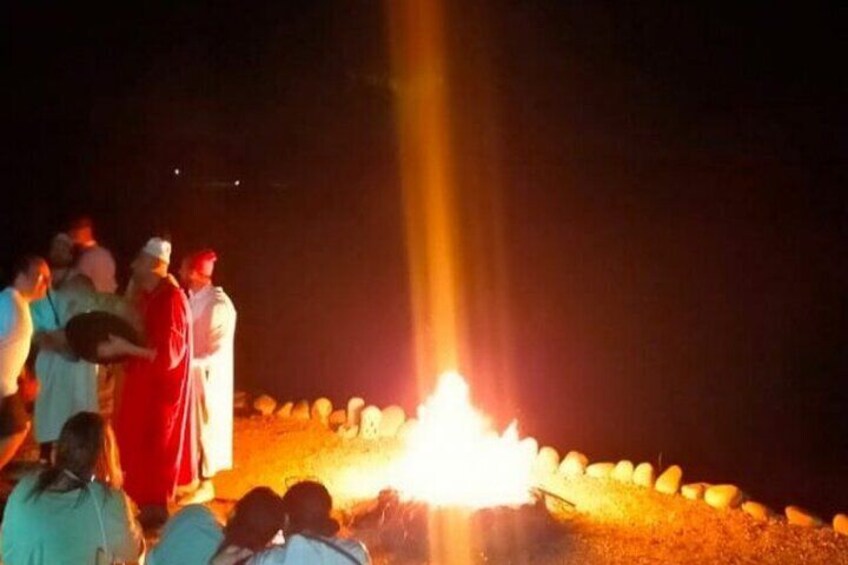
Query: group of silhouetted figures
x: 157, y: 361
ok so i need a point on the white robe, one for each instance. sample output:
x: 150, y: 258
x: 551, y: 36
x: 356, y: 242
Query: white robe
x: 68, y: 386
x: 214, y: 328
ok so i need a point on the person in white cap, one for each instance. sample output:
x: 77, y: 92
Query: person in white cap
x: 213, y: 330
x: 155, y: 422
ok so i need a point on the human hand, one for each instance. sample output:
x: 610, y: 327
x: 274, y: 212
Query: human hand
x: 115, y: 346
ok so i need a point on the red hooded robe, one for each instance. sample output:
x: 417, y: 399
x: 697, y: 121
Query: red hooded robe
x: 155, y: 425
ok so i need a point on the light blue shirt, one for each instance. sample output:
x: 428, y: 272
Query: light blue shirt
x: 300, y: 550
x: 190, y: 537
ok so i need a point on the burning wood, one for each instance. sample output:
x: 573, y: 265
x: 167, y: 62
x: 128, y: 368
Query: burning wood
x: 407, y: 529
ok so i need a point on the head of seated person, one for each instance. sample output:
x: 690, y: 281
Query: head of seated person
x: 254, y: 521
x: 86, y: 451
x: 308, y: 507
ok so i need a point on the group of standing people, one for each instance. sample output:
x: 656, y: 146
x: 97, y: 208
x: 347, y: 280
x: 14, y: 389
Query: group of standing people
x: 172, y: 392
x: 172, y: 419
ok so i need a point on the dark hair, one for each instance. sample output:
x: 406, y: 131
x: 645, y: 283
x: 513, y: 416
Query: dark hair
x: 308, y: 505
x: 82, y: 452
x: 256, y: 518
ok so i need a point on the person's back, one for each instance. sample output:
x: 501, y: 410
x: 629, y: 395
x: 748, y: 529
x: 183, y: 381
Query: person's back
x: 190, y: 537
x: 301, y: 549
x: 56, y: 528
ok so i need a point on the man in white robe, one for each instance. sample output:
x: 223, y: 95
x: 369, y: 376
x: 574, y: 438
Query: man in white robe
x: 68, y: 385
x: 213, y: 326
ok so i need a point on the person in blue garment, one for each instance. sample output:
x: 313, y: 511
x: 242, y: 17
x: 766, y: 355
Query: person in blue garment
x: 73, y: 511
x: 67, y: 384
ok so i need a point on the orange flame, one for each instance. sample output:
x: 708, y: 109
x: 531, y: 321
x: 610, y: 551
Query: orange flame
x: 454, y: 458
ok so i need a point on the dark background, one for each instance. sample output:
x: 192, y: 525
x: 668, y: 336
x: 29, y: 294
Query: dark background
x: 667, y: 183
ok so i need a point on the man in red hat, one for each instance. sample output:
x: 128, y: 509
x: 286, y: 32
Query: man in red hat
x: 213, y: 330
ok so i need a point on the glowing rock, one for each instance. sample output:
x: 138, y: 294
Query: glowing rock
x: 337, y: 418
x: 393, y: 418
x: 347, y: 432
x: 723, y: 496
x: 240, y: 400
x: 574, y: 464
x: 623, y: 471
x: 600, y: 470
x: 547, y: 461
x: 669, y: 481
x: 797, y: 516
x: 300, y: 410
x: 285, y: 410
x: 694, y: 491
x: 644, y: 475
x: 369, y: 424
x: 407, y: 428
x: 354, y: 409
x: 321, y: 410
x: 759, y: 512
x: 265, y: 405
x: 840, y: 524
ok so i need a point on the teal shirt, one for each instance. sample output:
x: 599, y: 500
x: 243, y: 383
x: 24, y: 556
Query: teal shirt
x: 190, y: 537
x: 64, y: 528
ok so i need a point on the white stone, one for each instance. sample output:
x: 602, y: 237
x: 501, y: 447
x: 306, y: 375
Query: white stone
x: 756, y: 510
x: 644, y: 475
x: 354, y: 410
x: 669, y: 481
x: 348, y: 432
x: 840, y: 524
x: 694, y: 491
x: 547, y: 461
x: 573, y: 465
x: 321, y: 410
x: 797, y: 516
x: 723, y: 496
x: 600, y: 470
x: 337, y: 418
x: 265, y: 405
x: 369, y: 424
x: 300, y: 411
x: 285, y: 410
x: 393, y: 418
x: 623, y: 471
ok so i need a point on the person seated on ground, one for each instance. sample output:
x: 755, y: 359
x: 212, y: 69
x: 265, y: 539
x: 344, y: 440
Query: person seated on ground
x: 311, y: 534
x: 73, y: 511
x: 193, y: 535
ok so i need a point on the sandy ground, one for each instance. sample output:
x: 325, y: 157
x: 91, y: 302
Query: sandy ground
x: 612, y: 522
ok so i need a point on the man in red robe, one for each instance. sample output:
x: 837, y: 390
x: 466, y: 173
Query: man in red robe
x: 155, y: 425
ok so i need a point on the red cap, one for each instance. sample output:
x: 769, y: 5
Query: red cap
x: 203, y: 262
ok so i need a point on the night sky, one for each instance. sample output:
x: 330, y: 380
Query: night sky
x: 670, y: 181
